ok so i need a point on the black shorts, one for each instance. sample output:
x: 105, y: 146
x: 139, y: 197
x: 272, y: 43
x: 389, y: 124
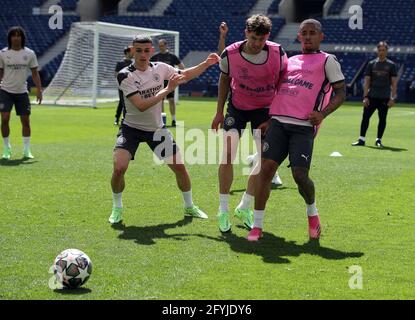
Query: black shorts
x: 237, y: 119
x: 283, y: 139
x: 171, y: 94
x: 161, y: 142
x: 19, y: 100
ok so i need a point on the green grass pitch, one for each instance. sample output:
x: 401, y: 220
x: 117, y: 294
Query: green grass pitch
x: 62, y: 199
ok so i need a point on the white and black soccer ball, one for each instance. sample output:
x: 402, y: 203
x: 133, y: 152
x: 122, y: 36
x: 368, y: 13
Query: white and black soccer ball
x: 72, y: 268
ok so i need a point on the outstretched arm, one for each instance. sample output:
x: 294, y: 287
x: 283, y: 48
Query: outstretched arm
x: 194, y: 72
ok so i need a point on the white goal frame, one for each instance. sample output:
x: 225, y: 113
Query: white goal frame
x: 61, y: 93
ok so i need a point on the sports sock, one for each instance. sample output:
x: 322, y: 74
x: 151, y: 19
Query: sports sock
x: 312, y: 209
x: 224, y: 202
x: 6, y: 141
x: 187, y: 198
x: 26, y: 143
x: 245, y: 201
x: 259, y: 218
x: 117, y: 200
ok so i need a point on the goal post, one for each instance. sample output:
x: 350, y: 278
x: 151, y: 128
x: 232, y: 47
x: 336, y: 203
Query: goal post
x: 86, y: 74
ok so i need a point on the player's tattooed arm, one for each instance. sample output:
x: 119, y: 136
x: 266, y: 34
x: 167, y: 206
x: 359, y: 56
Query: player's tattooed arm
x: 339, y: 89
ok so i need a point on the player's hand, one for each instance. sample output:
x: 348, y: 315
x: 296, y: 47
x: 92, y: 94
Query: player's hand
x: 223, y: 29
x: 391, y: 102
x: 39, y: 96
x: 217, y: 121
x: 316, y: 118
x: 175, y: 80
x: 264, y: 127
x: 365, y: 102
x: 212, y: 59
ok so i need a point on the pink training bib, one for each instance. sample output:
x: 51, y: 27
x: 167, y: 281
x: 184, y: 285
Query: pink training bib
x: 253, y: 85
x: 303, y: 88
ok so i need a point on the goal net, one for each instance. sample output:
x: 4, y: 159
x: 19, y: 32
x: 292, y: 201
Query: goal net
x: 86, y: 75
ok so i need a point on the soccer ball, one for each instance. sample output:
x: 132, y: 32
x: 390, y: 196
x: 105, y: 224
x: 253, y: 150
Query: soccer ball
x: 72, y: 268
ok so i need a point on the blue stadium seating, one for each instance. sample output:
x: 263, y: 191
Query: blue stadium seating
x: 68, y: 5
x: 201, y: 37
x: 19, y: 7
x: 198, y: 21
x: 141, y: 5
x: 209, y: 8
x: 39, y: 35
x: 336, y: 7
x: 374, y: 30
x: 381, y: 21
x: 273, y: 8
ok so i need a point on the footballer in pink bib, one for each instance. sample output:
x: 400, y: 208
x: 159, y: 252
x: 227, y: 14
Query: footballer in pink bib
x: 303, y: 100
x: 253, y: 85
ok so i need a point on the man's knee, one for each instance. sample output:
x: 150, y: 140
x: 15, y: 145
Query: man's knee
x: 25, y: 120
x: 120, y: 169
x: 5, y: 118
x: 120, y: 165
x: 268, y: 168
x: 300, y: 175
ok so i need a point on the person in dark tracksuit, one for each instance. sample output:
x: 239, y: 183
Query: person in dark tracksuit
x: 128, y: 55
x: 380, y: 92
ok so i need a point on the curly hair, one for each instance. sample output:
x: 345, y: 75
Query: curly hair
x: 259, y: 24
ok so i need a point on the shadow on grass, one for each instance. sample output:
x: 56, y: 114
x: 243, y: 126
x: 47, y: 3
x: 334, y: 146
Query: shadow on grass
x: 146, y: 235
x: 78, y: 291
x: 273, y: 249
x: 273, y: 187
x: 386, y: 148
x: 16, y: 162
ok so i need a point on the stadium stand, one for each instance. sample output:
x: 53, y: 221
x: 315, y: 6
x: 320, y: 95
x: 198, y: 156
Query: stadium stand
x: 40, y: 37
x: 202, y: 36
x: 141, y: 6
x: 198, y: 21
x: 68, y: 5
x: 10, y: 8
x: 336, y: 7
x: 273, y: 8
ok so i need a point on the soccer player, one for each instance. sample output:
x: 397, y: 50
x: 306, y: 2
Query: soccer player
x: 379, y: 92
x: 252, y: 159
x: 302, y: 102
x: 165, y: 56
x: 128, y: 55
x: 15, y: 62
x: 250, y: 71
x: 142, y: 84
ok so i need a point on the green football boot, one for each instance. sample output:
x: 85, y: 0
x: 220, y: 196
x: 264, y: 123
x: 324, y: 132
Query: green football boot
x: 27, y: 154
x: 7, y: 153
x: 116, y: 215
x: 246, y: 216
x: 224, y: 224
x: 194, y: 211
